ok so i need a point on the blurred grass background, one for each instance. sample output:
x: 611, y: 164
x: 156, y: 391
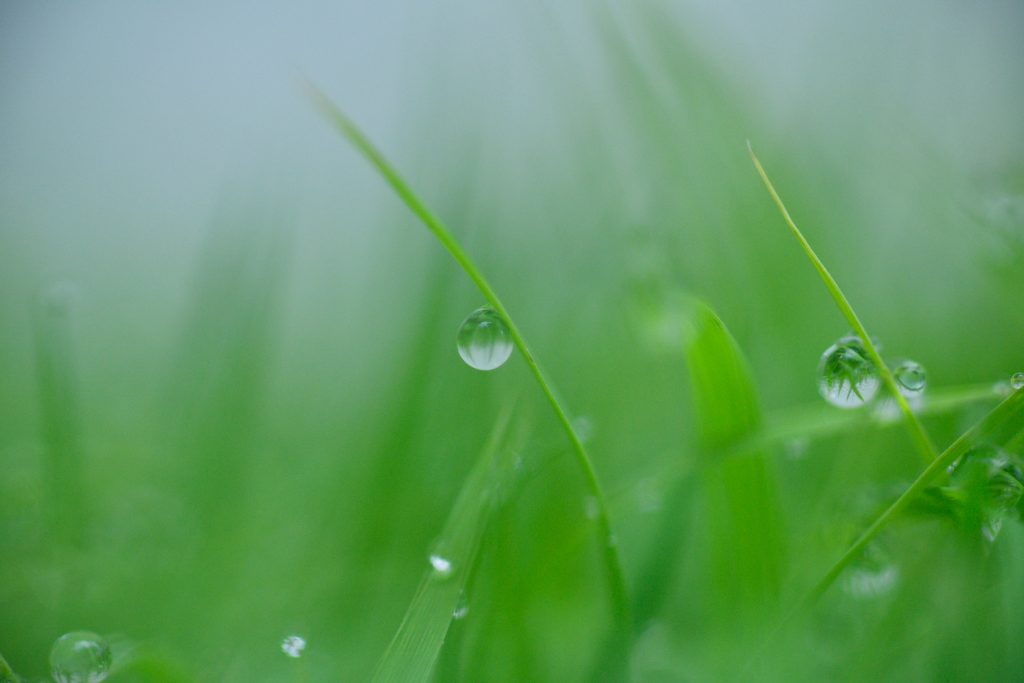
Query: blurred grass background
x: 231, y: 407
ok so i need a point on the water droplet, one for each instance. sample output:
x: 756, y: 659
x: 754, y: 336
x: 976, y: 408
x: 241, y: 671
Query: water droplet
x: 1017, y: 381
x: 796, y: 448
x: 648, y: 496
x: 442, y: 566
x: 590, y: 507
x: 461, y: 608
x: 293, y: 646
x: 910, y: 377
x: 484, y: 340
x: 846, y: 376
x: 80, y: 657
x: 985, y: 485
x: 872, y: 575
x: 584, y: 428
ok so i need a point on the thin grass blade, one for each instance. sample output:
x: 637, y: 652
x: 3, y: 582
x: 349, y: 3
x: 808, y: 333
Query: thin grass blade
x: 416, y: 645
x: 917, y: 432
x: 616, y: 576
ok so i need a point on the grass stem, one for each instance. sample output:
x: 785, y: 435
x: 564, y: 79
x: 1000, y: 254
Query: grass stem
x: 620, y: 599
x: 914, y: 426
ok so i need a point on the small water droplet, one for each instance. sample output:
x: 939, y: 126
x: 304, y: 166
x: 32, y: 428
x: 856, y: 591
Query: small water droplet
x: 590, y: 507
x: 796, y: 448
x: 461, y: 608
x: 80, y: 657
x: 911, y: 377
x: 584, y: 428
x: 846, y: 376
x: 872, y: 575
x: 1017, y: 381
x: 442, y: 566
x: 293, y: 646
x: 648, y: 496
x: 484, y: 340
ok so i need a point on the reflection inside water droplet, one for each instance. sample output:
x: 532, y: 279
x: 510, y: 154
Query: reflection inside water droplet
x: 1017, y: 381
x: 847, y: 378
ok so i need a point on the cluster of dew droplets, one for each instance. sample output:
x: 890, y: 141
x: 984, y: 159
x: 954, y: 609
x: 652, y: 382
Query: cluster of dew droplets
x: 484, y: 340
x: 847, y: 377
x: 986, y: 485
x: 80, y: 657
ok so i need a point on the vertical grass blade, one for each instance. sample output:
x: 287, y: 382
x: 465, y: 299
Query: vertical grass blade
x: 416, y: 645
x: 745, y: 520
x: 348, y: 129
x: 914, y: 426
x: 59, y: 411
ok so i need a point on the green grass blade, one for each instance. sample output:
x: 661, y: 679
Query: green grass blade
x: 7, y: 674
x: 747, y: 549
x: 59, y: 409
x: 1002, y: 425
x: 616, y: 577
x: 917, y: 431
x: 416, y: 645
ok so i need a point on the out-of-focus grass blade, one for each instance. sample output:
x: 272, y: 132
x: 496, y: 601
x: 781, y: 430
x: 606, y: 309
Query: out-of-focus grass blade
x: 1004, y: 425
x: 415, y: 647
x: 7, y: 674
x: 743, y: 515
x: 59, y: 410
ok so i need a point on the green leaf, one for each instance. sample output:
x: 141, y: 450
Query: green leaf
x: 415, y: 647
x: 744, y: 518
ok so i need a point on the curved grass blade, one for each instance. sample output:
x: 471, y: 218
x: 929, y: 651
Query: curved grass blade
x: 740, y: 491
x: 917, y: 432
x: 416, y: 645
x: 747, y: 550
x: 616, y: 577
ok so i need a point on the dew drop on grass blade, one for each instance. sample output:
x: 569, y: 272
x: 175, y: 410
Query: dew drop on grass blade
x: 415, y: 647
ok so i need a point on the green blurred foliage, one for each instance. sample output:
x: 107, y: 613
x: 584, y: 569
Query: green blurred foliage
x: 231, y: 408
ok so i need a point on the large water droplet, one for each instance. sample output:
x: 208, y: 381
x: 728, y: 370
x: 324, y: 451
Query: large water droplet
x: 986, y: 484
x: 1017, y: 381
x: 484, y: 340
x: 910, y: 377
x: 442, y: 566
x: 80, y: 657
x: 846, y: 376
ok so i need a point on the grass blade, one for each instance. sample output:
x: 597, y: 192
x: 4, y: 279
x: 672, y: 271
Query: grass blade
x: 1002, y: 425
x: 7, y: 674
x: 415, y: 647
x: 917, y: 431
x: 746, y: 522
x: 616, y: 577
x: 59, y: 409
